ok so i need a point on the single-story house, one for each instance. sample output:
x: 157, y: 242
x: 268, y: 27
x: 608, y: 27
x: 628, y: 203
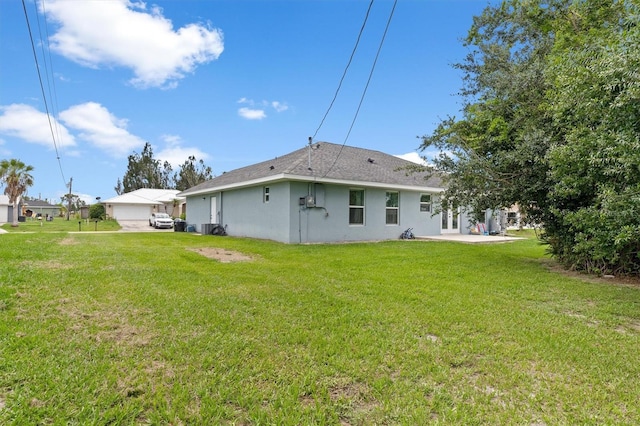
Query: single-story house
x: 6, y: 209
x: 323, y: 192
x: 33, y: 208
x: 139, y: 204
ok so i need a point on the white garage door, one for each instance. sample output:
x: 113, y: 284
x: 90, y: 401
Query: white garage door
x: 128, y: 212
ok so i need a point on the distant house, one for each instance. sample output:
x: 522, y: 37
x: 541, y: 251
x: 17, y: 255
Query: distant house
x: 35, y: 208
x: 139, y: 204
x: 323, y: 193
x: 6, y: 209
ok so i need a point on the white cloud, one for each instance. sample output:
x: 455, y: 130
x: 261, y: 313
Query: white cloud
x: 101, y: 128
x: 124, y: 33
x: 259, y: 113
x: 252, y: 114
x: 29, y: 124
x: 279, y: 106
x: 177, y: 155
x: 414, y: 157
x: 171, y: 140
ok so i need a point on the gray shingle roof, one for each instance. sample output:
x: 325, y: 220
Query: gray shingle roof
x: 329, y: 163
x: 38, y: 203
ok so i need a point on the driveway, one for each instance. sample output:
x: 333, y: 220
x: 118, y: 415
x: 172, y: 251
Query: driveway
x: 139, y: 226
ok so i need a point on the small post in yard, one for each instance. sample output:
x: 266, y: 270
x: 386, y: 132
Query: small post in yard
x: 96, y: 225
x: 79, y: 225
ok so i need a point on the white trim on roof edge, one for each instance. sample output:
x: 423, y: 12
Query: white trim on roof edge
x: 284, y: 176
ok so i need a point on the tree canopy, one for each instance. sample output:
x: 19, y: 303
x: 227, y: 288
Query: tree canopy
x: 16, y: 177
x: 145, y: 171
x: 550, y: 122
x: 192, y: 173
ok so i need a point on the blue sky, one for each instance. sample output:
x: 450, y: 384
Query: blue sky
x: 233, y: 82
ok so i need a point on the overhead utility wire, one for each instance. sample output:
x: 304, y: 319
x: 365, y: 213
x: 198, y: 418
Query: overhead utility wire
x: 364, y: 92
x: 35, y: 57
x: 51, y: 81
x: 353, y: 52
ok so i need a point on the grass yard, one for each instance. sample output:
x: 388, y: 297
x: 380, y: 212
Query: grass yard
x: 62, y: 225
x: 124, y: 328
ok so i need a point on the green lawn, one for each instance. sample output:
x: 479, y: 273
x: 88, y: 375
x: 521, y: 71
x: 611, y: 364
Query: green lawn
x: 62, y: 225
x: 124, y: 328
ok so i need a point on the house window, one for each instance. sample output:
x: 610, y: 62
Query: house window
x: 392, y: 208
x: 356, y: 207
x: 265, y: 194
x: 425, y: 203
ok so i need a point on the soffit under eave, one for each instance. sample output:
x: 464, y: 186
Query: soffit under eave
x: 310, y: 179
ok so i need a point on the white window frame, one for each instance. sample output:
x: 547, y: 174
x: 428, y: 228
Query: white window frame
x: 425, y: 206
x: 355, y: 206
x: 266, y: 194
x: 387, y: 197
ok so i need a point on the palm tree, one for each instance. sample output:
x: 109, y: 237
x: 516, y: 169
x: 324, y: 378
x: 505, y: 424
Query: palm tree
x: 16, y: 177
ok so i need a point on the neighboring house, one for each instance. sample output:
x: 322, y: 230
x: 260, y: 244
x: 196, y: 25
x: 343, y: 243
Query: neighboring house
x: 139, y: 204
x: 6, y: 209
x: 33, y: 208
x: 323, y: 193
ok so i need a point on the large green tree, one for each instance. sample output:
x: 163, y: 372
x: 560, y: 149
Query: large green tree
x: 16, y: 177
x: 72, y: 200
x: 145, y: 171
x: 550, y: 121
x: 192, y: 172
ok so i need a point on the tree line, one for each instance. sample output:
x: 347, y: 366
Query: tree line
x: 551, y: 122
x: 145, y: 171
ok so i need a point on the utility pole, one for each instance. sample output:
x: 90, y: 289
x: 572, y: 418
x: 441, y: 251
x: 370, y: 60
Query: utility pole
x: 69, y: 200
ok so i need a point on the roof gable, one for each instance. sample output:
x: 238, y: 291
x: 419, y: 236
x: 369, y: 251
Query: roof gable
x: 145, y: 196
x: 325, y: 161
x: 38, y: 203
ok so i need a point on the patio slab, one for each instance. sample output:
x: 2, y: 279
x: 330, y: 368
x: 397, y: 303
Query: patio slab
x: 470, y: 238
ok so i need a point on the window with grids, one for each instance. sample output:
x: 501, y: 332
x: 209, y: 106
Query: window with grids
x: 392, y: 208
x: 265, y: 194
x: 356, y: 207
x: 425, y: 203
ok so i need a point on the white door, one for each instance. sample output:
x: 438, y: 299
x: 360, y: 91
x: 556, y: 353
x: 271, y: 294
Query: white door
x: 214, y: 210
x: 450, y: 221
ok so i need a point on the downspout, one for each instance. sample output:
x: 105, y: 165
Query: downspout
x: 300, y: 224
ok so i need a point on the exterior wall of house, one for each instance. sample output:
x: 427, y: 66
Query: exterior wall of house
x: 289, y: 218
x: 245, y: 212
x: 328, y: 221
x: 199, y: 210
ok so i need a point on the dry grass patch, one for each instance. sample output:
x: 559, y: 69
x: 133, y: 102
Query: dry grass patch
x: 110, y: 326
x: 68, y: 242
x: 221, y: 255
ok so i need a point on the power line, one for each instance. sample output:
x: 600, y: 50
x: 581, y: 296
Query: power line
x: 364, y: 92
x: 353, y: 52
x: 51, y: 80
x: 44, y: 97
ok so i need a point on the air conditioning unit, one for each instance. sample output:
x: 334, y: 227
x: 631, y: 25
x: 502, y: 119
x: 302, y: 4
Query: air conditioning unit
x: 310, y: 201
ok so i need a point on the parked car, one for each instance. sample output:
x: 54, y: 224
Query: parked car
x: 160, y: 220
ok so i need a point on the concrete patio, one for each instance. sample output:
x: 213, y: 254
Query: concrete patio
x: 470, y: 238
